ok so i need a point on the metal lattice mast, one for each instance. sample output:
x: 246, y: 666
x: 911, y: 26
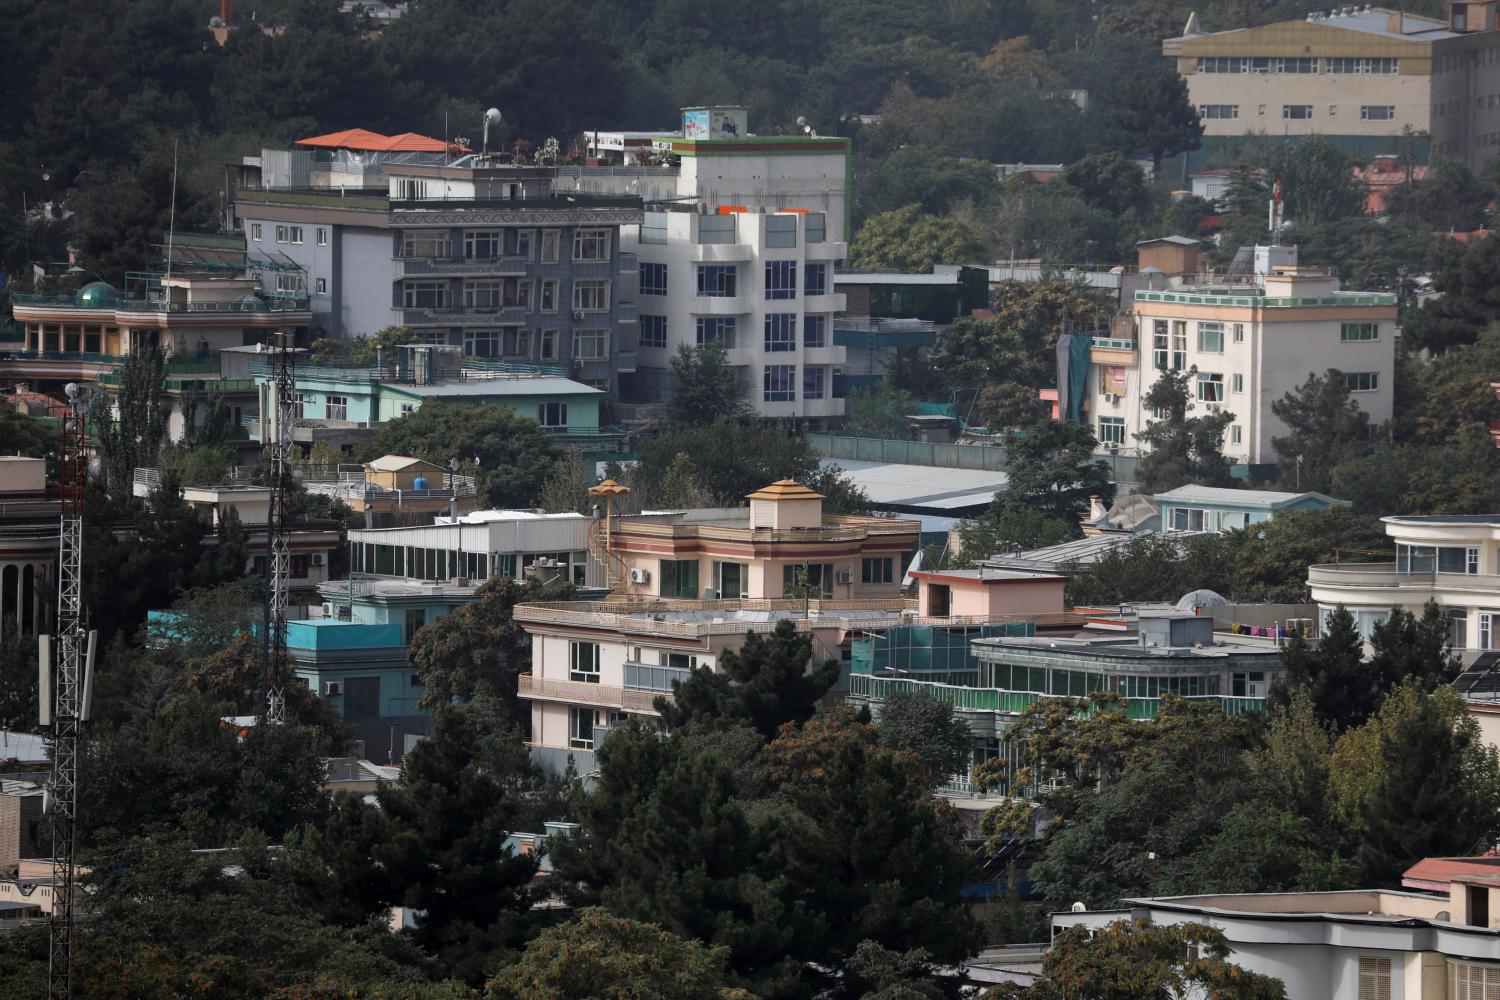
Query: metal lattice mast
x: 67, y: 692
x: 283, y: 399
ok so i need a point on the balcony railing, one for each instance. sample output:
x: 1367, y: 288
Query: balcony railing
x: 1113, y: 344
x: 1014, y: 702
x: 581, y: 693
x: 580, y: 202
x: 652, y: 677
x: 280, y: 304
x: 1385, y: 574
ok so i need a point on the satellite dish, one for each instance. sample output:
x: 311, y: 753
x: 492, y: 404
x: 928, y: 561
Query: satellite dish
x: 801, y: 122
x: 1078, y: 907
x: 71, y: 390
x: 492, y: 116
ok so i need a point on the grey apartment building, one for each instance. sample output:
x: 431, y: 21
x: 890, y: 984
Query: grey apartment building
x: 474, y: 254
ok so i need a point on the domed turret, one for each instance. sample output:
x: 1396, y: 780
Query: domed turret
x: 97, y: 295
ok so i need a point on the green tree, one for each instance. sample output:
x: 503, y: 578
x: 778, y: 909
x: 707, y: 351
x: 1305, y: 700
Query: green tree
x: 1152, y: 567
x: 1004, y: 528
x: 1325, y: 427
x: 480, y: 649
x: 925, y: 727
x: 1343, y: 690
x: 1127, y: 961
x: 1154, y: 111
x: 21, y: 435
x: 598, y: 956
x: 1413, y: 647
x: 566, y: 488
x: 1052, y: 470
x: 881, y: 409
x: 513, y: 454
x: 681, y: 486
x: 1183, y: 449
x: 730, y: 460
x: 1318, y: 181
x: 446, y: 855
x: 765, y: 683
x: 1467, y: 275
x: 704, y: 387
x: 911, y: 241
x: 383, y: 345
x: 874, y: 972
x: 1449, y: 198
x: 1109, y: 182
x: 131, y: 437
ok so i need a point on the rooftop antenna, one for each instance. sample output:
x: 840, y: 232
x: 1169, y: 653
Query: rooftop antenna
x: 1277, y: 218
x: 491, y: 117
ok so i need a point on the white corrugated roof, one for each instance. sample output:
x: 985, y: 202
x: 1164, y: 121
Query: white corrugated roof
x: 1219, y: 494
x: 529, y: 385
x: 921, y: 485
x: 395, y: 463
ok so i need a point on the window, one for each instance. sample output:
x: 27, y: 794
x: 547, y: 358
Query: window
x: 322, y: 236
x: 815, y: 279
x: 591, y: 244
x: 1188, y: 518
x: 583, y: 662
x: 549, y: 295
x: 781, y: 279
x: 1465, y: 981
x: 1487, y: 631
x: 414, y: 622
x: 1179, y: 345
x: 322, y: 286
x: 589, y: 345
x: 716, y: 229
x: 482, y: 294
x: 1237, y: 382
x: 482, y: 343
x: 1362, y: 381
x: 680, y: 661
x: 1458, y: 627
x: 482, y: 244
x: 518, y: 243
x: 281, y: 232
x: 720, y: 328
x: 815, y: 578
x: 718, y: 280
x: 778, y: 383
x: 653, y: 279
x: 255, y: 231
x: 1351, y: 64
x: 1211, y: 387
x: 875, y: 570
x: 516, y: 343
x: 1159, y: 353
x: 336, y: 408
x: 781, y: 332
x: 549, y: 244
x: 1377, y: 113
x: 813, y: 381
x: 581, y: 723
x: 1296, y: 112
x: 424, y: 243
x: 1211, y: 338
x: 294, y: 234
x: 815, y: 331
x: 1352, y: 332
x: 732, y: 580
x: 1112, y: 430
x: 424, y: 295
x: 654, y: 227
x: 518, y: 293
x: 552, y: 414
x: 410, y: 189
x: 548, y: 346
x: 290, y: 282
x: 678, y: 577
x: 1239, y: 333
x: 1236, y: 436
x: 1374, y: 978
x: 653, y: 331
x: 815, y: 227
x: 1218, y: 111
x: 781, y: 231
x: 591, y: 296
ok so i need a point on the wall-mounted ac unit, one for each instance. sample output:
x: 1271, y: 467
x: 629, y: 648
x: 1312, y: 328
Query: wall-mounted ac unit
x: 1213, y: 407
x: 844, y: 576
x: 1111, y: 397
x: 638, y: 575
x: 333, y: 687
x: 577, y: 315
x: 328, y: 611
x: 317, y: 559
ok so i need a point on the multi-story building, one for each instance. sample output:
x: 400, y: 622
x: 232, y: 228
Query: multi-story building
x: 1453, y: 561
x: 484, y: 256
x: 1194, y: 508
x: 886, y: 312
x: 29, y: 520
x: 739, y: 245
x: 1252, y: 338
x: 394, y: 490
x: 1361, y: 75
x: 1358, y: 944
x: 191, y: 317
x: 781, y: 545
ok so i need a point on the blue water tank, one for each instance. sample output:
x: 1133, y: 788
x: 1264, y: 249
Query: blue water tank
x: 420, y: 483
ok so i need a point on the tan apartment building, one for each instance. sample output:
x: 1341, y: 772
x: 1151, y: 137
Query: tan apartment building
x: 1359, y: 71
x: 1252, y: 339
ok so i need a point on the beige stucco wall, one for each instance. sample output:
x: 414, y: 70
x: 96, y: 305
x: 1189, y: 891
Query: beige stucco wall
x: 1012, y: 597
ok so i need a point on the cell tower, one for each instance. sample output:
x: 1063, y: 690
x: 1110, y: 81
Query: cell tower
x: 281, y: 400
x: 64, y: 704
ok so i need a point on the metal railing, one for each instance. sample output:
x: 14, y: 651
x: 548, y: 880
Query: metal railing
x: 570, y: 201
x: 1259, y: 301
x: 282, y: 304
x: 1113, y: 344
x: 653, y: 677
x: 582, y: 693
x: 1014, y: 702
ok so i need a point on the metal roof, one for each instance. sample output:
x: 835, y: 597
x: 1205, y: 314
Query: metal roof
x: 921, y: 485
x: 1247, y: 498
x: 520, y: 385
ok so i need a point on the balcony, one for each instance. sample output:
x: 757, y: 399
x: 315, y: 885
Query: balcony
x: 971, y: 699
x: 1112, y: 351
x: 412, y: 267
x: 654, y: 678
x: 718, y: 305
x: 826, y: 251
x: 464, y: 315
x: 722, y: 253
x: 48, y: 301
x: 581, y: 693
x: 1408, y: 589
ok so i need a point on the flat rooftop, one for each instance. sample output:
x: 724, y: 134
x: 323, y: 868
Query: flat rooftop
x: 1116, y: 647
x: 927, y: 486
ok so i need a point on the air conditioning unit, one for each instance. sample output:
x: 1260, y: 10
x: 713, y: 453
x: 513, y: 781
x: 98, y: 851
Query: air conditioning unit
x: 844, y: 576
x: 577, y: 314
x: 1213, y: 407
x: 328, y: 611
x: 1111, y: 397
x: 638, y: 575
x: 317, y: 559
x: 333, y: 687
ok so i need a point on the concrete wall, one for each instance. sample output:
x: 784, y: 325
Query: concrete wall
x: 367, y: 275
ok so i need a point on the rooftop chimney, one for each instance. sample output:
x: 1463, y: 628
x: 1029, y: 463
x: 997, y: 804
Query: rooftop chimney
x: 1394, y: 22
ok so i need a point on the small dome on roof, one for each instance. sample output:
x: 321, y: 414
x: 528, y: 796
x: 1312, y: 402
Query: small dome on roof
x: 1195, y: 599
x: 97, y: 294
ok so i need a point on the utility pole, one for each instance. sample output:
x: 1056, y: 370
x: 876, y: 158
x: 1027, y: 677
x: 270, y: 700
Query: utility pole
x: 64, y: 705
x: 281, y: 399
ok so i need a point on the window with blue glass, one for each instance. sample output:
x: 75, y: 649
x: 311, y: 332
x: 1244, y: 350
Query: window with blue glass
x: 716, y: 328
x: 815, y: 331
x: 781, y: 332
x: 779, y: 383
x: 815, y: 279
x: 718, y: 280
x: 781, y: 279
x: 653, y: 331
x: 653, y: 279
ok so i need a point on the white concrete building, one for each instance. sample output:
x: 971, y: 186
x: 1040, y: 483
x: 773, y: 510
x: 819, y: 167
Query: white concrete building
x: 1252, y: 338
x: 739, y: 245
x: 1363, y: 944
x: 1453, y: 561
